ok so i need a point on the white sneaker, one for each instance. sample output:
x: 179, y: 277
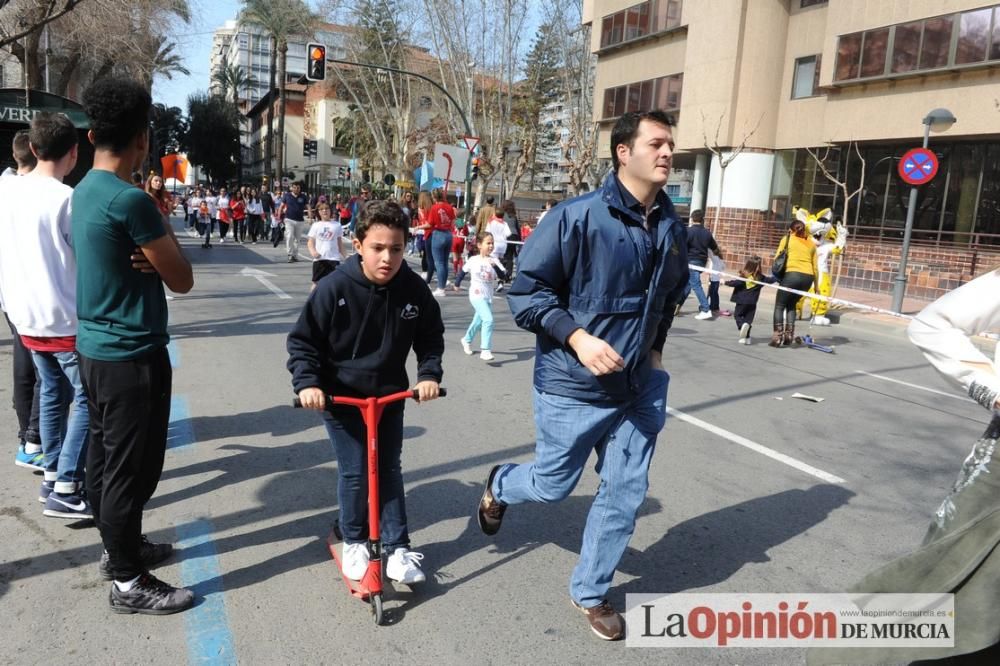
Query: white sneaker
x: 466, y: 347
x: 439, y: 293
x: 486, y: 355
x: 744, y: 332
x: 404, y: 567
x: 355, y: 560
x: 747, y: 341
x: 499, y: 287
x: 703, y: 315
x: 820, y: 320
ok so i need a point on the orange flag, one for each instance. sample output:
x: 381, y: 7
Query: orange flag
x: 174, y: 166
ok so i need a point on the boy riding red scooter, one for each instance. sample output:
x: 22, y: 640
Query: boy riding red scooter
x: 352, y: 340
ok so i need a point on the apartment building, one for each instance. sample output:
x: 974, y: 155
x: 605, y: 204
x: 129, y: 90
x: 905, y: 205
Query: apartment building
x: 856, y: 77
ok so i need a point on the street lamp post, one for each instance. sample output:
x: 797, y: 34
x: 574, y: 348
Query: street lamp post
x: 937, y: 120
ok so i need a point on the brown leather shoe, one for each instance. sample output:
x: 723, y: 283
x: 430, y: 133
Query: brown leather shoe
x: 604, y: 620
x: 490, y: 511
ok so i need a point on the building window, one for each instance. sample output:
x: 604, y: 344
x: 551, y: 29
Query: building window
x: 811, y: 3
x: 973, y: 36
x: 848, y: 57
x: 920, y: 45
x: 663, y: 93
x: 805, y: 82
x: 906, y: 47
x: 937, y: 42
x: 645, y: 18
x: 873, y: 52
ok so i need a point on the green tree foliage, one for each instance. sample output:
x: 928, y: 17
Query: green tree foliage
x: 168, y: 127
x: 213, y: 137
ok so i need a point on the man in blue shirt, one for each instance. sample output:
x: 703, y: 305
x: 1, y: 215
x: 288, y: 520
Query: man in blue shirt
x: 597, y: 284
x: 294, y: 209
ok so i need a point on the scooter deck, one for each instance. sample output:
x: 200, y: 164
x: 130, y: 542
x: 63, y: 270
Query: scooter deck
x: 358, y: 588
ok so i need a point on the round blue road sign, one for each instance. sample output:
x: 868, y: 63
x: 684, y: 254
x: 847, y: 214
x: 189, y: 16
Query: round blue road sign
x: 918, y: 166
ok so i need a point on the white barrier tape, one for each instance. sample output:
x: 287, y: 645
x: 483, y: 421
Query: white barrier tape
x: 828, y: 299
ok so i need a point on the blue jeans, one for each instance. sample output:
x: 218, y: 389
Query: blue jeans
x: 624, y: 436
x: 694, y: 283
x: 440, y: 254
x: 64, y: 430
x: 346, y: 429
x: 482, y: 319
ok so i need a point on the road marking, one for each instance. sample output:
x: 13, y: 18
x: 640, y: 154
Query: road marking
x: 180, y: 434
x: 916, y: 386
x: 261, y: 276
x: 754, y: 446
x: 175, y: 354
x: 209, y: 638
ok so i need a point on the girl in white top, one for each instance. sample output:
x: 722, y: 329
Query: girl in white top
x: 485, y: 270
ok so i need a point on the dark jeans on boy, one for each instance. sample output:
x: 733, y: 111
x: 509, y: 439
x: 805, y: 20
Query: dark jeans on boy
x: 27, y: 388
x: 347, y: 431
x: 744, y: 314
x: 129, y: 414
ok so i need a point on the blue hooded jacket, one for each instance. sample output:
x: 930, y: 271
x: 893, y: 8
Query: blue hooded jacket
x: 593, y: 265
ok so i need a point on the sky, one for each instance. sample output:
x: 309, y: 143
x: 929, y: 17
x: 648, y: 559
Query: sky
x: 195, y: 45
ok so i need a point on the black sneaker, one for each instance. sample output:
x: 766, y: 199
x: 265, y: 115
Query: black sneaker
x: 150, y: 596
x: 151, y: 554
x: 490, y: 510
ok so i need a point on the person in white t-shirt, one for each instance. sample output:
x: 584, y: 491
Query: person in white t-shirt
x: 500, y: 231
x: 38, y: 281
x: 325, y: 243
x: 485, y: 271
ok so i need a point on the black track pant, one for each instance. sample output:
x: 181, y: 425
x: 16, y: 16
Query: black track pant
x: 129, y: 412
x: 27, y: 386
x: 785, y: 302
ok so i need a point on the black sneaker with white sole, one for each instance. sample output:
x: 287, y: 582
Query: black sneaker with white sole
x: 151, y: 554
x: 74, y: 507
x: 150, y: 596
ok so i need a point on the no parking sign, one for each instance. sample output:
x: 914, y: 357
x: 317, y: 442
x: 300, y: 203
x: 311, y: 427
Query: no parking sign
x: 918, y: 166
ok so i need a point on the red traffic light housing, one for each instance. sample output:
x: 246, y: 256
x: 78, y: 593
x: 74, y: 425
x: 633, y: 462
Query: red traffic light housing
x: 316, y: 62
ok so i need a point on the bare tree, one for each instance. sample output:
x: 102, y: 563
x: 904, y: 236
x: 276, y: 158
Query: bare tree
x: 725, y: 156
x: 479, y: 50
x: 30, y: 16
x: 846, y: 196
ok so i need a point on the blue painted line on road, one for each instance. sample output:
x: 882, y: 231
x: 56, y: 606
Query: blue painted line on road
x: 180, y: 434
x: 175, y: 354
x: 209, y: 638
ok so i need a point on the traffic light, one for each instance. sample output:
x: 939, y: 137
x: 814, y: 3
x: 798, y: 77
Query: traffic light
x: 310, y: 148
x: 475, y: 168
x: 316, y: 62
x: 348, y: 173
x: 340, y: 173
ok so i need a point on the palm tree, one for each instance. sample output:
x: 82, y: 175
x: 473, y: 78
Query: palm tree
x: 232, y: 77
x: 280, y: 19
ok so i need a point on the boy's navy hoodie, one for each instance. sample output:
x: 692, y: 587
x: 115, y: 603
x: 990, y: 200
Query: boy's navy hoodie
x: 353, y: 336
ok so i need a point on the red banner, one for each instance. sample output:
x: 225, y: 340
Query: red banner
x: 174, y: 166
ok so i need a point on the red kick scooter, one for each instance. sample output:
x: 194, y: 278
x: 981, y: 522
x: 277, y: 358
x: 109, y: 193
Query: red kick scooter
x: 369, y: 588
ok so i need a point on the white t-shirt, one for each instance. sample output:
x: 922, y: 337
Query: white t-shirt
x: 37, y: 262
x: 500, y: 231
x: 482, y: 271
x: 213, y: 204
x: 325, y: 236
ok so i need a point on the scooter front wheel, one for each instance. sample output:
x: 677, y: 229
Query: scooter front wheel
x: 376, y: 601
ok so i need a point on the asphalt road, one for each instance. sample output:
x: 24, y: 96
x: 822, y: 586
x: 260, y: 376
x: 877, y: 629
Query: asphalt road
x: 248, y: 494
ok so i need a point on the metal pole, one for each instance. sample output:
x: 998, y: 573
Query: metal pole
x: 899, y: 288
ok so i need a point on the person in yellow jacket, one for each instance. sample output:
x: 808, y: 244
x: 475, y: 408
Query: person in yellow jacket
x: 800, y: 273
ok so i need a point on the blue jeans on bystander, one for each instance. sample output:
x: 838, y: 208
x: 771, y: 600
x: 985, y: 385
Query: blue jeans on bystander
x: 63, y: 419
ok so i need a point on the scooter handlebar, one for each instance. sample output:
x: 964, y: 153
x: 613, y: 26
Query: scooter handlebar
x: 297, y: 404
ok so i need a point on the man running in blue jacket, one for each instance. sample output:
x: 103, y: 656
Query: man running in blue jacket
x: 597, y: 284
